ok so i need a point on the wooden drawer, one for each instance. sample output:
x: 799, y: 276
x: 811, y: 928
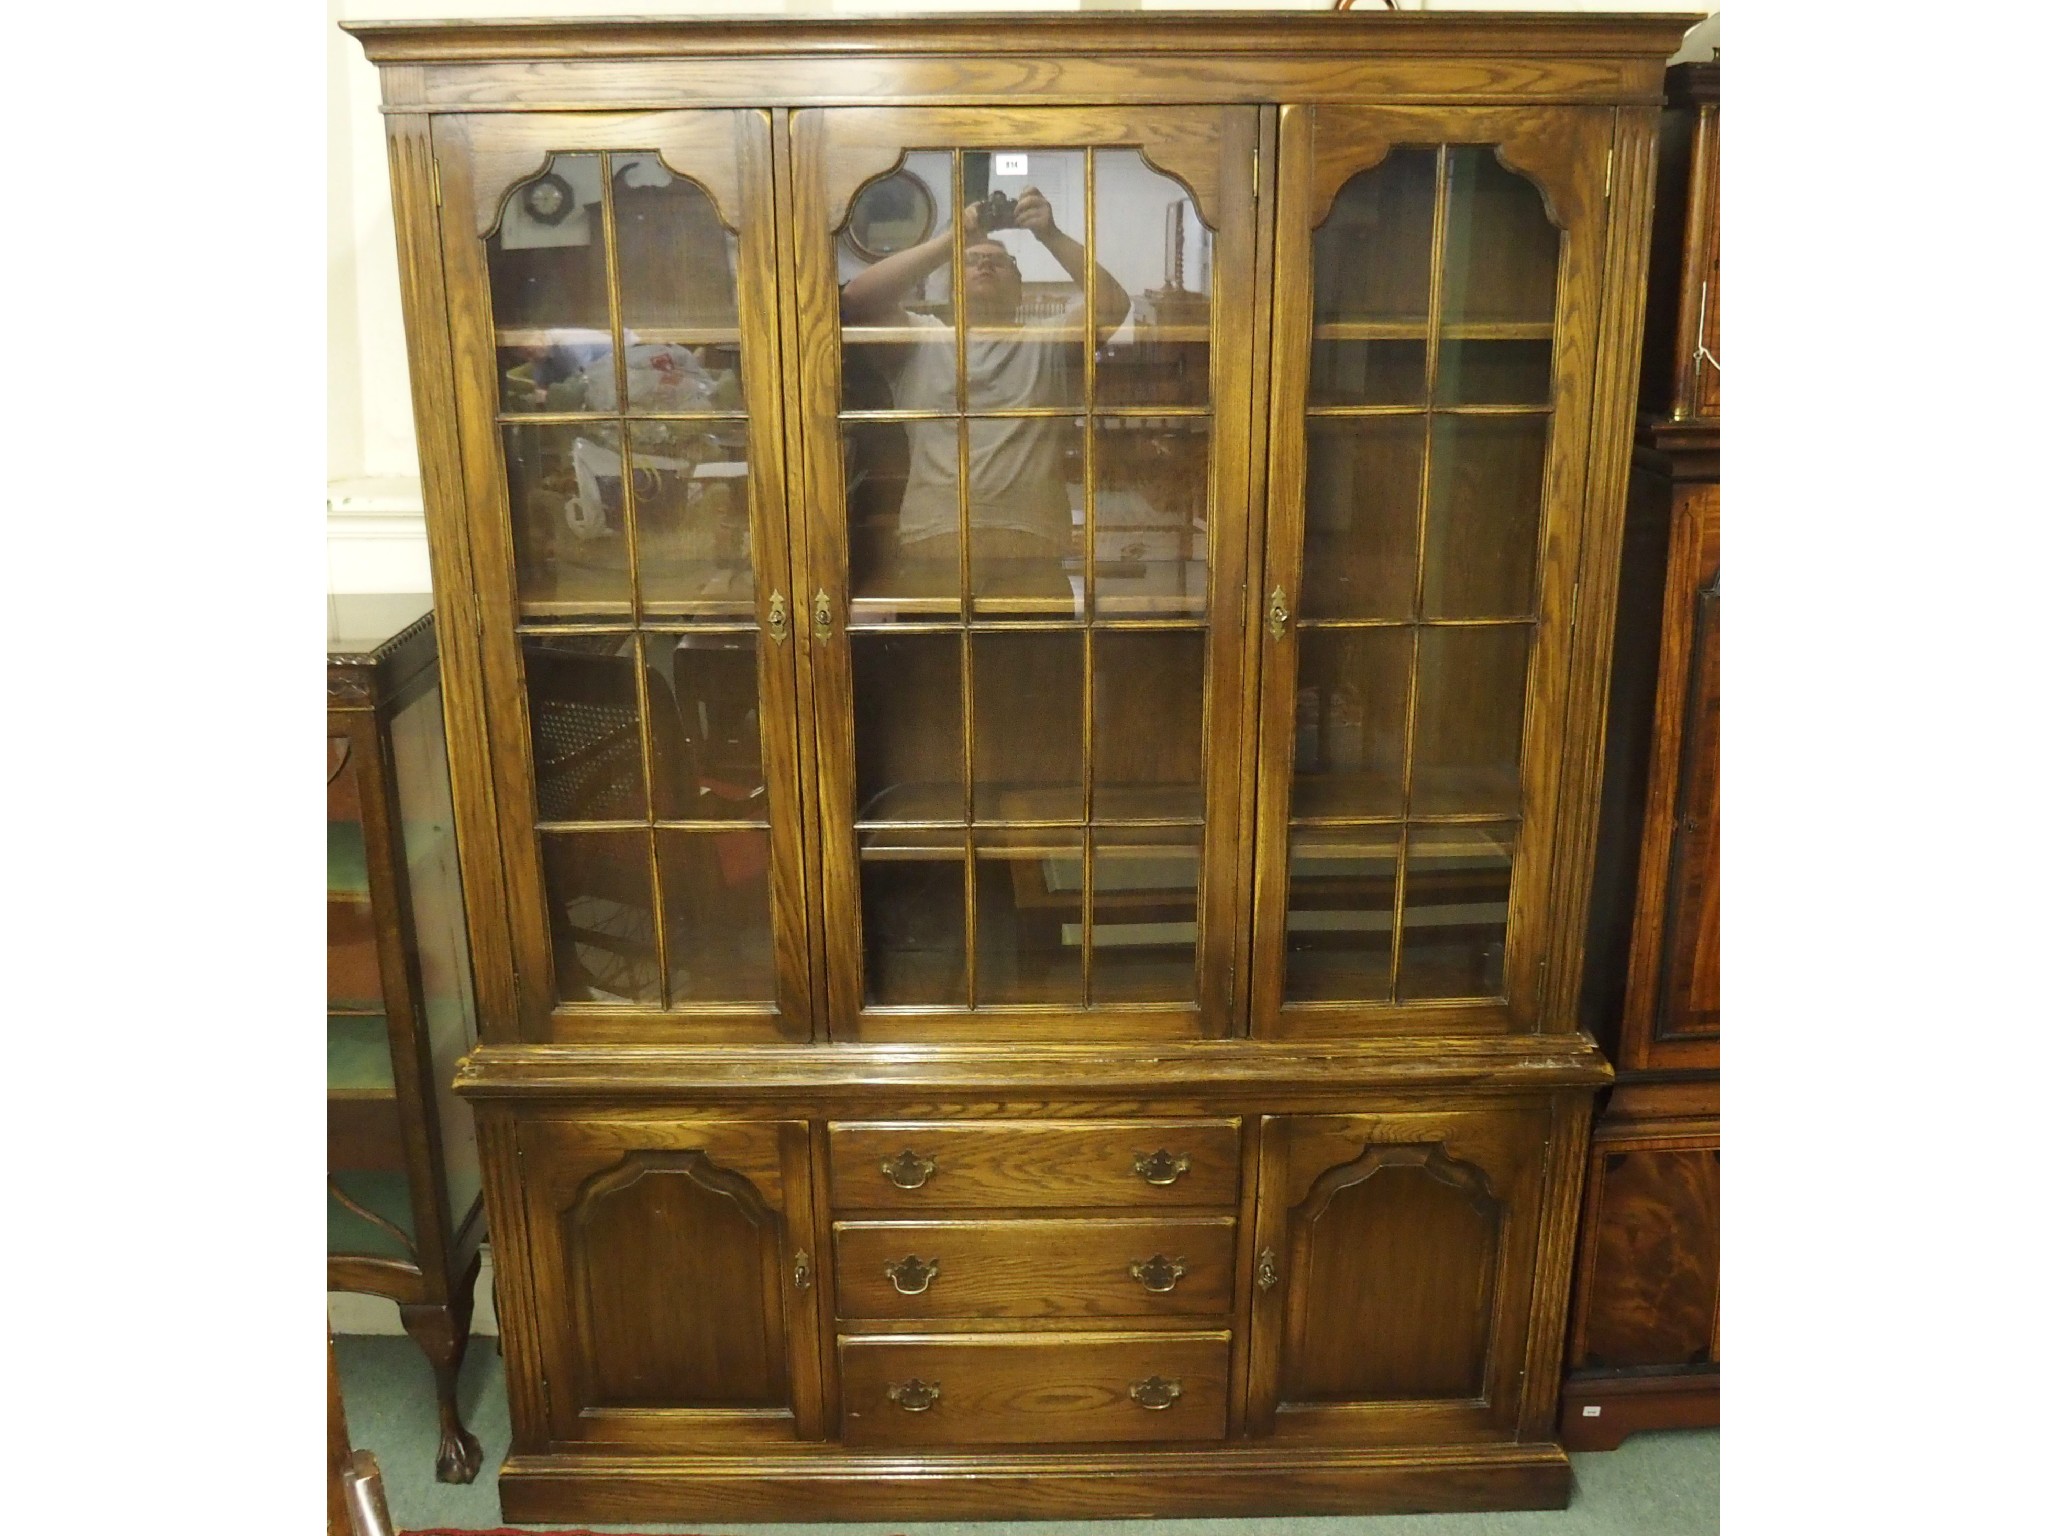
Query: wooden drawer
x: 988, y: 1165
x: 1020, y: 1389
x: 1036, y: 1268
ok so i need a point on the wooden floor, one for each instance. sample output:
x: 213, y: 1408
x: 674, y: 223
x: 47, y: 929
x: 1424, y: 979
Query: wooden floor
x: 1655, y: 1485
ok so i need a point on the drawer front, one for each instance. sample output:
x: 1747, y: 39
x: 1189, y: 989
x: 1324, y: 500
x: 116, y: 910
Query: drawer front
x: 986, y: 1165
x: 1141, y: 1267
x: 1022, y: 1390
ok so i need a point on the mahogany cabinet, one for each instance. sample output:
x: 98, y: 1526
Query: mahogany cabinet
x: 1026, y: 612
x: 1645, y: 1347
x: 404, y: 1196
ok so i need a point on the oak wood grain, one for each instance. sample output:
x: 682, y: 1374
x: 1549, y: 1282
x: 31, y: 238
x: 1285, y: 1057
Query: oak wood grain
x: 1037, y: 1163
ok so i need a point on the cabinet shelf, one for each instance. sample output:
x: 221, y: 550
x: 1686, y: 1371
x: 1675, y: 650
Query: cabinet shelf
x: 1418, y: 330
x: 727, y: 335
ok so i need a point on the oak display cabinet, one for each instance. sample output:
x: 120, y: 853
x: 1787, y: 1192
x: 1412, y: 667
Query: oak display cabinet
x: 1026, y: 782
x: 405, y: 1216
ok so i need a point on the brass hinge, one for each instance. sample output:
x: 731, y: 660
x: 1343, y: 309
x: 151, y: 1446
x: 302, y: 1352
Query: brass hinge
x: 435, y: 162
x: 1608, y: 190
x: 1574, y: 629
x: 1255, y: 173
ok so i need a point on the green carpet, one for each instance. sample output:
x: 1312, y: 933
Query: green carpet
x: 1655, y: 1485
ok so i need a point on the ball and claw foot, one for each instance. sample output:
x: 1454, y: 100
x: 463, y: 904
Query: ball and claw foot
x: 460, y: 1457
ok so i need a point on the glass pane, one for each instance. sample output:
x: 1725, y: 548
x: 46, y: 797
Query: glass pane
x: 583, y: 701
x: 1372, y: 253
x: 348, y: 862
x: 1027, y: 897
x: 568, y: 519
x: 1148, y: 723
x: 1025, y: 225
x: 690, y: 505
x: 703, y: 699
x: 1151, y: 515
x: 896, y: 316
x: 677, y: 295
x: 1028, y: 692
x: 1361, y: 502
x: 1350, y: 721
x: 1492, y: 372
x: 1340, y: 912
x: 1485, y: 512
x: 353, y: 981
x: 906, y: 728
x: 384, y: 1194
x: 1362, y: 369
x: 601, y: 917
x: 548, y: 288
x: 1468, y: 720
x: 1150, y: 239
x: 1147, y: 883
x: 1454, y: 916
x: 1023, y: 511
x: 714, y: 908
x: 358, y: 1054
x: 1500, y: 248
x: 913, y: 892
x: 902, y: 518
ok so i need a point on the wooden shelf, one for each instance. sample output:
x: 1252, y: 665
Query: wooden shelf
x: 1417, y: 330
x: 582, y: 336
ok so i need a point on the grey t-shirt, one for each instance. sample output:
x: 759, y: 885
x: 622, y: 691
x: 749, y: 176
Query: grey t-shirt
x: 1015, y: 477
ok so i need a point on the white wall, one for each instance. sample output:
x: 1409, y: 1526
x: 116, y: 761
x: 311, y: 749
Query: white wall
x: 375, y: 534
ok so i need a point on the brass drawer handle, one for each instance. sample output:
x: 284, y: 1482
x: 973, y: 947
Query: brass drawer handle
x: 914, y: 1396
x: 1155, y: 1392
x: 911, y: 1275
x: 1158, y: 1273
x: 906, y: 1170
x: 1161, y: 1167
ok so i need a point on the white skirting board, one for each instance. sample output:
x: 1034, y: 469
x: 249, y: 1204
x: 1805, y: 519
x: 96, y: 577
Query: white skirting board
x: 348, y: 1312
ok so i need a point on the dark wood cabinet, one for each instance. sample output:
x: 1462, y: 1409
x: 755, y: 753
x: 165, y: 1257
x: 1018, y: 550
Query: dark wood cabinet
x: 1645, y: 1342
x: 1027, y: 612
x: 404, y: 1200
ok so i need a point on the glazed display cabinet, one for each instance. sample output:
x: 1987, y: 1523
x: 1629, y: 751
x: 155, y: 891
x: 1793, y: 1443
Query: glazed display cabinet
x: 405, y: 1217
x: 1026, y: 615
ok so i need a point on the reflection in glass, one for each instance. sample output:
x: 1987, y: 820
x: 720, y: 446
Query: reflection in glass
x: 569, y: 530
x: 901, y: 560
x: 1368, y: 371
x: 1023, y: 501
x: 1492, y: 372
x: 714, y: 906
x: 1027, y: 916
x: 1149, y: 232
x: 906, y: 727
x: 1340, y: 913
x: 548, y: 290
x: 601, y: 917
x: 359, y: 1054
x: 678, y: 298
x: 583, y: 703
x: 703, y: 700
x: 1372, y: 253
x: 385, y: 1194
x: 913, y: 893
x: 1360, y: 505
x: 1350, y: 721
x: 1151, y: 515
x: 1454, y: 917
x: 1028, y: 694
x: 690, y: 505
x: 1021, y: 279
x: 1148, y: 723
x: 1485, y: 512
x: 1468, y: 720
x: 1147, y: 884
x: 1500, y: 248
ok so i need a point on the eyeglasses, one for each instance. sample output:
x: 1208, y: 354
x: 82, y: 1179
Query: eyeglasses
x: 990, y: 261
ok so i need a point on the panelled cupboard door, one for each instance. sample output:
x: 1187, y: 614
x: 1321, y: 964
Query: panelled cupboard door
x: 1394, y: 1261
x: 677, y: 1265
x: 1438, y: 279
x: 613, y: 319
x: 1026, y: 382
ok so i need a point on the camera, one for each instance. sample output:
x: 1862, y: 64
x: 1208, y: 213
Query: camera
x: 998, y: 211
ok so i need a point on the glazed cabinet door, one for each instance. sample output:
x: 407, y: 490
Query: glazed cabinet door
x: 675, y: 1265
x: 1026, y: 407
x: 611, y: 295
x: 1393, y: 1270
x: 1434, y: 329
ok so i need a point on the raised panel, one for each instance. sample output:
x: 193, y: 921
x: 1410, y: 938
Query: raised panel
x: 1649, y: 1284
